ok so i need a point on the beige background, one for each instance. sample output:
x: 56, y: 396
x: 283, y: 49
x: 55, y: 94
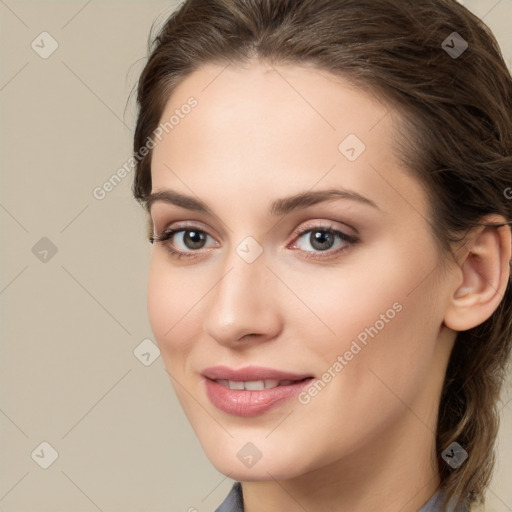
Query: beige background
x: 70, y: 324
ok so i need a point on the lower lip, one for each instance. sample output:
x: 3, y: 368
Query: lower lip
x: 243, y: 402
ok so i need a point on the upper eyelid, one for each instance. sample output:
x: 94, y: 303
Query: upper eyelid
x: 315, y: 224
x: 181, y: 225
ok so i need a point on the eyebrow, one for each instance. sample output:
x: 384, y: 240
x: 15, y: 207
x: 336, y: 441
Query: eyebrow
x: 278, y: 207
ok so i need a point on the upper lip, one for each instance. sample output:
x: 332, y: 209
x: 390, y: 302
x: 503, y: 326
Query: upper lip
x: 250, y: 373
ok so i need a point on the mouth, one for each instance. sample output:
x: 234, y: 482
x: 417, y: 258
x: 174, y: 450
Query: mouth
x: 256, y: 385
x: 251, y: 391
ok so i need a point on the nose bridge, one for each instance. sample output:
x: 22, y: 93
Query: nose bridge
x: 240, y: 300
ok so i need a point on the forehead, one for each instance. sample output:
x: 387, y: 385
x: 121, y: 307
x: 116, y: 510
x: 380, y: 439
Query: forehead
x: 274, y: 130
x: 259, y: 100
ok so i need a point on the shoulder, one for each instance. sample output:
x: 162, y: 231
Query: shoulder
x: 233, y: 501
x: 434, y: 504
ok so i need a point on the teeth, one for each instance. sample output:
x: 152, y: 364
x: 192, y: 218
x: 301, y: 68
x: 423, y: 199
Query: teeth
x: 233, y: 384
x: 254, y: 384
x: 251, y: 384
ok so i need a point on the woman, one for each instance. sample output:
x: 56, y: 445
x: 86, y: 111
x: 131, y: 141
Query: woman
x: 327, y: 188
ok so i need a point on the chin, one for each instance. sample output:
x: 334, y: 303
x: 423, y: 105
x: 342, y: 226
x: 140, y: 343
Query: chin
x: 258, y: 473
x: 265, y: 469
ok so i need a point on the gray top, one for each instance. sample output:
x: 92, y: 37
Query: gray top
x: 234, y: 502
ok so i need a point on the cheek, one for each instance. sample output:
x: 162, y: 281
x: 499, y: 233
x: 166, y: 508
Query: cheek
x: 380, y: 315
x: 384, y: 367
x: 347, y: 303
x: 161, y: 299
x: 170, y: 304
x: 398, y: 352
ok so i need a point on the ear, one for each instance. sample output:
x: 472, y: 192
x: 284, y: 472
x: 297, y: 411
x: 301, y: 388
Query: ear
x: 483, y: 275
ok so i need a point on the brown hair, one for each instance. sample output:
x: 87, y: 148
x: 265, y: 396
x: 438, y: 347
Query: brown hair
x: 455, y: 137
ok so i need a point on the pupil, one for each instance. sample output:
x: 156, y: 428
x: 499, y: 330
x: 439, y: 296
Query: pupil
x: 318, y: 238
x: 194, y: 239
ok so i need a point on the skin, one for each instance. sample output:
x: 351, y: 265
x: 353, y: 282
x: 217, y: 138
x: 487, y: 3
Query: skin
x: 366, y: 441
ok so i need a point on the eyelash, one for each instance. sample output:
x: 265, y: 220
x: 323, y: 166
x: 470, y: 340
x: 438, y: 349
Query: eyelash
x: 349, y: 239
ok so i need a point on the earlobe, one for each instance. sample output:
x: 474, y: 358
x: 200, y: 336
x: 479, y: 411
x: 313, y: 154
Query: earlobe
x: 485, y: 271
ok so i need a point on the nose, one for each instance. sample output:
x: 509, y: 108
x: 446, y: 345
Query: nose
x: 243, y: 305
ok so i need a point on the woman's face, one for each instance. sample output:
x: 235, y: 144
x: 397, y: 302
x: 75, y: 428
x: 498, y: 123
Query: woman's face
x: 261, y: 283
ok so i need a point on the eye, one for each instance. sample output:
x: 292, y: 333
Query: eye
x: 323, y: 240
x: 187, y: 241
x: 181, y: 241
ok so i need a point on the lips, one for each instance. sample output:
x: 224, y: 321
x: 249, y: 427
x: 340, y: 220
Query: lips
x: 252, y: 390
